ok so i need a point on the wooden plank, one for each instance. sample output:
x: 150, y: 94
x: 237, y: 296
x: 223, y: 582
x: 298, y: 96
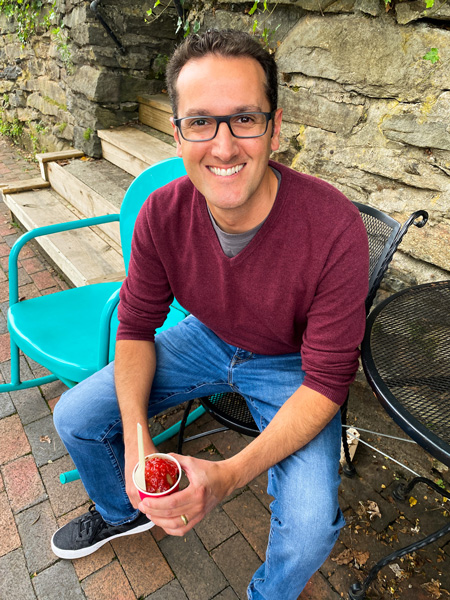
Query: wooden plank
x: 46, y: 157
x: 123, y: 159
x: 137, y: 144
x: 160, y: 101
x: 81, y: 255
x: 84, y: 198
x: 22, y: 185
x: 156, y: 118
x: 60, y: 155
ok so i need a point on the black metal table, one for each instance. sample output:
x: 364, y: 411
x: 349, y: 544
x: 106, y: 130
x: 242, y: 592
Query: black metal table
x: 406, y: 359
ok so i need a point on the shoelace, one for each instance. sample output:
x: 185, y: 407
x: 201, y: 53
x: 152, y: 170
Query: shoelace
x: 90, y: 525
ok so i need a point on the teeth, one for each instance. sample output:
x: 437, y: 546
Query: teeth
x: 226, y: 172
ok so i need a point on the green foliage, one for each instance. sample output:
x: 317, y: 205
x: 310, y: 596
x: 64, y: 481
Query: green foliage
x: 159, y: 65
x: 34, y: 131
x: 87, y: 134
x: 432, y: 55
x: 61, y: 37
x: 29, y: 15
x: 259, y: 26
x: 12, y: 129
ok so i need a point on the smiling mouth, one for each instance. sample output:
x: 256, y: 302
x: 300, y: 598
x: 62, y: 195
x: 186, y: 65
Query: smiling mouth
x: 226, y: 172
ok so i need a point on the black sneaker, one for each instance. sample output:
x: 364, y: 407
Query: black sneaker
x: 86, y: 534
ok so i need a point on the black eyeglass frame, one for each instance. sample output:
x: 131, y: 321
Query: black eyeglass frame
x: 226, y: 119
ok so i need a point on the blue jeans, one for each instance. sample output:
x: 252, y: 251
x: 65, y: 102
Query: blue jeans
x: 193, y: 362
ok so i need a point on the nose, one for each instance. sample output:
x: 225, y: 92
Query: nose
x: 225, y: 145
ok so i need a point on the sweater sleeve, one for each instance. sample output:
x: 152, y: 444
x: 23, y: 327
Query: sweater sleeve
x: 145, y: 295
x: 336, y: 317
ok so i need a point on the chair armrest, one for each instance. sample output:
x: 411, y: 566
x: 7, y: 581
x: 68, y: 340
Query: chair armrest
x: 46, y: 230
x: 105, y: 328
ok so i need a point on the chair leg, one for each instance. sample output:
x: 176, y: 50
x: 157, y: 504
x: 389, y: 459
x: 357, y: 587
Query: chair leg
x: 15, y: 383
x: 348, y: 469
x: 187, y: 410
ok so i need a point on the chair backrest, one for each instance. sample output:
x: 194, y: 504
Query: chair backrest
x: 384, y: 234
x: 145, y: 183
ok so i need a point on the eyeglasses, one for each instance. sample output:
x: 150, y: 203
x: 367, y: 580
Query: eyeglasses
x: 203, y: 128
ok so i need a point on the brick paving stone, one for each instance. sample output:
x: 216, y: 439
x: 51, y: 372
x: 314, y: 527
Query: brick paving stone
x: 107, y: 584
x: 215, y: 528
x: 15, y: 583
x: 42, y: 451
x: 32, y: 265
x: 63, y: 497
x: 188, y: 558
x: 23, y: 277
x: 7, y: 408
x: 36, y: 526
x: 252, y: 519
x: 259, y: 487
x: 171, y: 591
x: 226, y: 594
x: 318, y: 588
x: 44, y: 280
x: 229, y: 443
x: 143, y: 563
x: 28, y: 291
x: 2, y: 485
x: 23, y: 483
x: 30, y: 404
x: 9, y: 539
x: 4, y: 347
x: 87, y: 565
x: 4, y: 291
x: 57, y: 582
x: 53, y: 389
x: 237, y: 561
x: 14, y: 441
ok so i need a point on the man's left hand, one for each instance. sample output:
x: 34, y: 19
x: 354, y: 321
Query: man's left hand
x: 209, y: 483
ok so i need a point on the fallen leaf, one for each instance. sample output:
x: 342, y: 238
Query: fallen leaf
x: 432, y: 587
x: 45, y: 438
x: 400, y: 573
x: 348, y: 555
x: 412, y: 501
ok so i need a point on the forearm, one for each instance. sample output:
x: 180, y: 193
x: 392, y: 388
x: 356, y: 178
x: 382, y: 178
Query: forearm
x: 297, y: 422
x: 135, y: 364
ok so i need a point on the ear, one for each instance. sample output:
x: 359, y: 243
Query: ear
x: 275, y: 139
x: 176, y: 135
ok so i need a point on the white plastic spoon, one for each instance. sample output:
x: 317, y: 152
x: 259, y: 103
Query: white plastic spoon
x: 140, y: 471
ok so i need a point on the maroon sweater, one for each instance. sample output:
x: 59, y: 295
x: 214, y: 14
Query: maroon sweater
x: 299, y: 285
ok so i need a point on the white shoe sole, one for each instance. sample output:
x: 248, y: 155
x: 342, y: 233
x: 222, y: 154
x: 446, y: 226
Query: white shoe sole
x: 73, y: 554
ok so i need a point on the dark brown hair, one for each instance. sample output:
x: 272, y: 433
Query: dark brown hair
x: 227, y: 42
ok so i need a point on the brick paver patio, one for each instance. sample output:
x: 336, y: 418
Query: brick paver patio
x: 217, y: 558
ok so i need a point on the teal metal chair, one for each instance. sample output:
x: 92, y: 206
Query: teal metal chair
x: 72, y: 332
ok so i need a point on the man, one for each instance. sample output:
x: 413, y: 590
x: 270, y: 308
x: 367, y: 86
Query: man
x: 273, y: 267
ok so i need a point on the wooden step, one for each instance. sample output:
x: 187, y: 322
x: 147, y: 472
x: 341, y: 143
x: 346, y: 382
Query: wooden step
x: 84, y: 256
x: 22, y: 185
x: 133, y: 149
x: 93, y: 187
x: 156, y: 111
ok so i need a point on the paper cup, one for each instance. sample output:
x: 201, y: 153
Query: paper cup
x: 143, y: 493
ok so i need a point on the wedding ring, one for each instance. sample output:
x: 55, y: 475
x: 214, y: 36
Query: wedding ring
x: 184, y: 519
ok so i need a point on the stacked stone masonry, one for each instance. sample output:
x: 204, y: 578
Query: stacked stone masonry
x: 362, y: 107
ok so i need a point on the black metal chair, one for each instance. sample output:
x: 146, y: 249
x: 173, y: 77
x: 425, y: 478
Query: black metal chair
x: 384, y: 234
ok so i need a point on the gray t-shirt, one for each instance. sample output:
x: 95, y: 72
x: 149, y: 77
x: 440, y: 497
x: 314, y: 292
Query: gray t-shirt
x: 233, y: 243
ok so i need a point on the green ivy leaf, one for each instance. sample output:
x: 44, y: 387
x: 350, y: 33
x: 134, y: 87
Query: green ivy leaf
x: 157, y: 3
x: 430, y: 4
x: 432, y: 55
x: 253, y: 8
x: 255, y: 25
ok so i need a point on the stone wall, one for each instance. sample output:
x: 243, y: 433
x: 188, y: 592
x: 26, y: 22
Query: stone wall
x: 61, y: 88
x: 362, y: 108
x: 364, y: 111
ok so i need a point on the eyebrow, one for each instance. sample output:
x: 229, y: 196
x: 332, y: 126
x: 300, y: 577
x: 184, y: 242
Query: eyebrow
x: 196, y: 112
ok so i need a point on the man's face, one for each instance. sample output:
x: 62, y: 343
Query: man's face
x: 218, y: 86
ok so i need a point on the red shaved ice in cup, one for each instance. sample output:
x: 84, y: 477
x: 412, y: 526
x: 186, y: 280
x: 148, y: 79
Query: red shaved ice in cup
x: 162, y: 476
